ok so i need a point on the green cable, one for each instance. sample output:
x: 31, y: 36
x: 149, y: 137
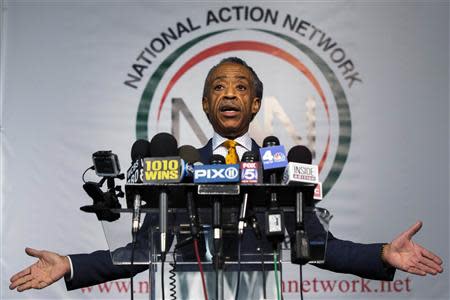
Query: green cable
x: 275, y: 263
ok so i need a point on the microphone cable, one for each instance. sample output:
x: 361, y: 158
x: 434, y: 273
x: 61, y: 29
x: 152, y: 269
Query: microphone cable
x: 197, y: 255
x: 301, y: 281
x: 263, y: 273
x: 239, y: 269
x: 133, y: 245
x: 172, y: 277
x: 275, y: 265
x: 84, y: 173
x: 163, y: 260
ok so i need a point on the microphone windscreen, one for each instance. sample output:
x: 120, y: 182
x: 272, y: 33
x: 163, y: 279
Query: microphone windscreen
x: 140, y: 149
x: 300, y: 154
x: 271, y: 141
x: 217, y: 159
x: 250, y: 156
x: 189, y: 154
x: 163, y: 144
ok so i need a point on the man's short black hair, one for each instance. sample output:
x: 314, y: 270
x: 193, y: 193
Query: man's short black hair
x: 257, y: 84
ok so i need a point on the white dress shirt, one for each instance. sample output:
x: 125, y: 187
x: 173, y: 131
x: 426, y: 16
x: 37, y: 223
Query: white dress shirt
x: 244, y: 144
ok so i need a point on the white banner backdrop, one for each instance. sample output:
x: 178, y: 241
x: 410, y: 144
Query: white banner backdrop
x: 363, y: 85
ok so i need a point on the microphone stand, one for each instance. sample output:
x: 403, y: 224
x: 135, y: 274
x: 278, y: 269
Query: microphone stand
x: 217, y: 238
x: 300, y: 253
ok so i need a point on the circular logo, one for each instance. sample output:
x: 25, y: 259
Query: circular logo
x: 231, y: 173
x: 304, y: 101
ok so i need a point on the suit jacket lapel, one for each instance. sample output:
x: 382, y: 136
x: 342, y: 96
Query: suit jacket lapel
x: 206, y: 152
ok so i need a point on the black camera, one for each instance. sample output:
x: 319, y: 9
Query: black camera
x: 106, y: 164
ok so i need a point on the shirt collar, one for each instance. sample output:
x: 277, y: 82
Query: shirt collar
x: 244, y: 141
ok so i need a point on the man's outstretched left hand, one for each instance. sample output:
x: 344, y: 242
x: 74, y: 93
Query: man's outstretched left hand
x: 404, y: 254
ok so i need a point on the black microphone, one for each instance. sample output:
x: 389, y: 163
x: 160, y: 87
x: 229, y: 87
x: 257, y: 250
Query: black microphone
x: 217, y: 159
x: 163, y: 145
x: 274, y: 160
x: 300, y: 249
x: 250, y: 173
x: 191, y: 156
x: 139, y: 150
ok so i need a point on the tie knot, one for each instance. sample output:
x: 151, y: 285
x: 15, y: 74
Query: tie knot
x: 232, y: 157
x: 230, y: 144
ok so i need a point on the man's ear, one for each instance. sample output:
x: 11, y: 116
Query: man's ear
x: 205, y: 105
x: 256, y: 105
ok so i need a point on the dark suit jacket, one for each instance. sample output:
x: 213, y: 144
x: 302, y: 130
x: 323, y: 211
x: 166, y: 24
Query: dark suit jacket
x: 363, y: 260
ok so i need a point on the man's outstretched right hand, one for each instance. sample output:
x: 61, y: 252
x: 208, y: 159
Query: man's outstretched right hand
x: 48, y: 269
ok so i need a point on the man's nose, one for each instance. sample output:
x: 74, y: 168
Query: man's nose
x: 230, y: 93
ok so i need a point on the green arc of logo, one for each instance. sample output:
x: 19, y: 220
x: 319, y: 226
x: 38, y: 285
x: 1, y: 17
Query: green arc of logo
x: 344, y: 116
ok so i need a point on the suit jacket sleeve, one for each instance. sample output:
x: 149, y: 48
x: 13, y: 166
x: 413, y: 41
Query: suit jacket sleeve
x: 97, y: 267
x: 348, y: 257
x: 363, y: 260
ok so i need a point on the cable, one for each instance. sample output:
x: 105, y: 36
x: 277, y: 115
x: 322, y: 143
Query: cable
x: 239, y: 270
x: 281, y: 280
x: 197, y: 254
x: 84, y: 173
x: 133, y: 245
x: 301, y: 282
x: 263, y: 273
x: 163, y: 259
x: 275, y: 264
x: 172, y: 277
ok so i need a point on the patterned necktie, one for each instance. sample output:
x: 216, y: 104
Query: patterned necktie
x: 232, y: 157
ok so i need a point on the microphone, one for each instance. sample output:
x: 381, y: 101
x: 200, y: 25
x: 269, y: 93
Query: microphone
x: 163, y: 145
x: 250, y: 174
x: 139, y: 150
x: 273, y: 157
x: 300, y: 172
x: 191, y: 156
x: 217, y: 159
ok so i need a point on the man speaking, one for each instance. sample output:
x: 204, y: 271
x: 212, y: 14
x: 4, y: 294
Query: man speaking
x: 231, y: 98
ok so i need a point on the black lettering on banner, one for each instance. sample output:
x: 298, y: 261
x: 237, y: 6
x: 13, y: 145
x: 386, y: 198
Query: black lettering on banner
x: 210, y: 17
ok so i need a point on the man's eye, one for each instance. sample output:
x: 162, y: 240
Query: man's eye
x: 241, y: 87
x: 218, y: 87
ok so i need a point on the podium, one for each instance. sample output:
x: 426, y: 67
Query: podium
x: 256, y: 254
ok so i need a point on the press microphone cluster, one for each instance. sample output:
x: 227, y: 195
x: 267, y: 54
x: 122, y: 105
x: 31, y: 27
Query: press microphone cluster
x: 160, y: 161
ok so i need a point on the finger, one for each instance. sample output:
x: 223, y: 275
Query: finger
x: 41, y: 285
x: 26, y: 286
x: 431, y: 264
x: 411, y: 231
x: 20, y: 281
x: 416, y: 271
x: 427, y: 269
x: 430, y: 255
x: 24, y: 272
x: 33, y: 252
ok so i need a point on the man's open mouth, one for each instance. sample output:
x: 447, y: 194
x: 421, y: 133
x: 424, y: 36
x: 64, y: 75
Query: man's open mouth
x: 229, y: 111
x: 229, y: 108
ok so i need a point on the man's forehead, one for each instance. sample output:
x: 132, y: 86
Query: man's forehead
x: 231, y: 70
